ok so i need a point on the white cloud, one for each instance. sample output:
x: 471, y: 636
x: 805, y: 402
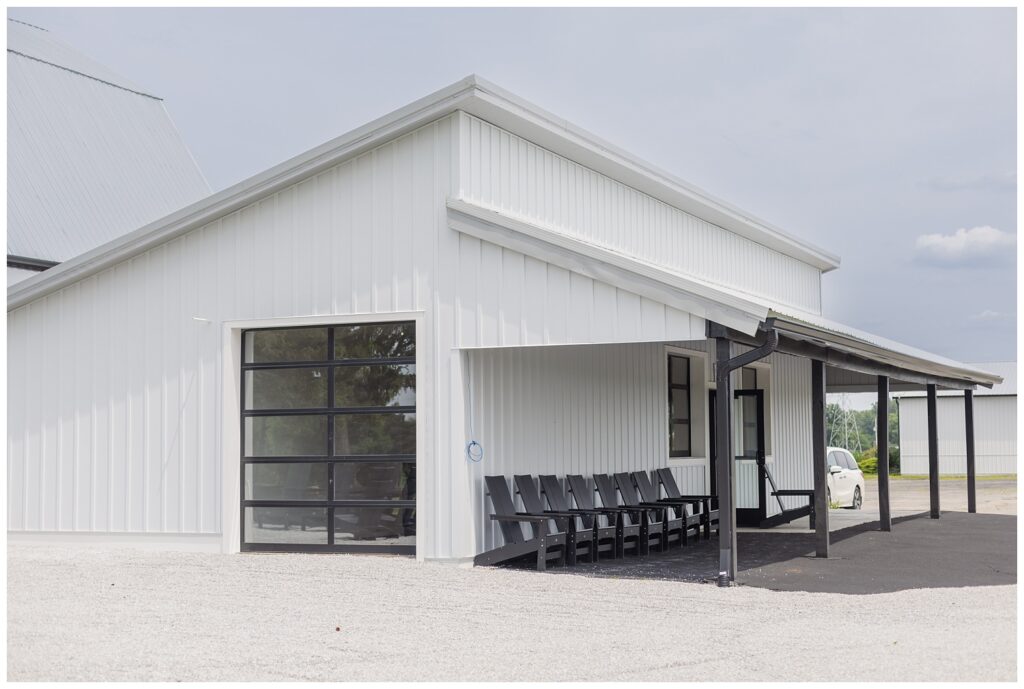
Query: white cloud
x: 987, y: 315
x: 967, y: 247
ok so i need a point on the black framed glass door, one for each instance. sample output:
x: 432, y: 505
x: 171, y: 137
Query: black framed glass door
x: 329, y: 438
x: 750, y: 510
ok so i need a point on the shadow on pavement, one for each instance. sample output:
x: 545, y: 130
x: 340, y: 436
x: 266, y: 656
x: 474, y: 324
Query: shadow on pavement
x: 959, y: 549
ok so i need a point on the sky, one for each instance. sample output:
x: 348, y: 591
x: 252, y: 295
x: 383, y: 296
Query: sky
x: 885, y: 136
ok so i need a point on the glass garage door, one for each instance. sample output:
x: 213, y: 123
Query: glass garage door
x: 329, y: 438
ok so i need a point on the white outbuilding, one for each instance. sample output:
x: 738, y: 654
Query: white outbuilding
x: 995, y: 424
x: 331, y: 355
x: 90, y: 154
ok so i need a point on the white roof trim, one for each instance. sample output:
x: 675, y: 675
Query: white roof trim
x: 602, y: 264
x: 473, y: 95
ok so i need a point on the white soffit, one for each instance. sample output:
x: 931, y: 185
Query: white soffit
x: 473, y: 95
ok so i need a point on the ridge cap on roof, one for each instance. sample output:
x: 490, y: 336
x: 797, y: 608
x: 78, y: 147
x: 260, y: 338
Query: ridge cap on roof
x: 469, y: 93
x: 52, y: 50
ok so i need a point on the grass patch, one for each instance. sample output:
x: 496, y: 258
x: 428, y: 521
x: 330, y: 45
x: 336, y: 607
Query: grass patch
x: 953, y: 477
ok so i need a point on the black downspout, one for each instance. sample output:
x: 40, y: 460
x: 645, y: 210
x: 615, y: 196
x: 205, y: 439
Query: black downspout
x: 726, y: 478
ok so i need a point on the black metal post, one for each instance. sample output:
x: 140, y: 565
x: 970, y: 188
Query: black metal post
x: 933, y: 451
x: 818, y: 455
x: 884, y: 516
x: 723, y: 468
x: 972, y: 495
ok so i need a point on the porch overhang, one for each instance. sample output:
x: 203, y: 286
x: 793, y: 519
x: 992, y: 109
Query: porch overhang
x: 860, y: 357
x: 740, y: 317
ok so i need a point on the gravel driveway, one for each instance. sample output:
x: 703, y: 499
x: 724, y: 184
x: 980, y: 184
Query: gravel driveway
x: 78, y: 614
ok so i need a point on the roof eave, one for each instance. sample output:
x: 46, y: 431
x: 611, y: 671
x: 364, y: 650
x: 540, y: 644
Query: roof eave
x: 927, y: 367
x: 471, y: 94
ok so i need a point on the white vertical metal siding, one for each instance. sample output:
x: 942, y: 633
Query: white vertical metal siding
x: 565, y: 410
x: 788, y: 416
x: 604, y: 408
x: 508, y: 173
x: 995, y: 435
x: 792, y: 465
x: 507, y: 299
x: 114, y: 397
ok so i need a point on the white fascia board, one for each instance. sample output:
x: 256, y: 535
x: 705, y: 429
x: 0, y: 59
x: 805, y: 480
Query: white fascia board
x: 605, y: 265
x: 472, y: 95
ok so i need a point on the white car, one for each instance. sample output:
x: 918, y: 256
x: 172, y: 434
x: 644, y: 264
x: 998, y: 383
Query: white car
x: 845, y: 479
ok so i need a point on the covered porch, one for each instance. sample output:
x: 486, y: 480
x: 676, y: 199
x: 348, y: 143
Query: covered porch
x: 605, y: 409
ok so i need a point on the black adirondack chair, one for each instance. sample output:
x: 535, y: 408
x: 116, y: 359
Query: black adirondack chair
x: 663, y: 523
x: 690, y: 518
x: 607, y: 539
x: 709, y: 503
x: 632, y: 525
x: 651, y: 529
x: 545, y: 546
x: 577, y: 541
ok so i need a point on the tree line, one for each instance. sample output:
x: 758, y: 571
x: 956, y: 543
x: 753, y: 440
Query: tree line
x: 855, y: 431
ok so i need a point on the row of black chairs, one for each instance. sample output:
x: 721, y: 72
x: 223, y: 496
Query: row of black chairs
x: 632, y: 517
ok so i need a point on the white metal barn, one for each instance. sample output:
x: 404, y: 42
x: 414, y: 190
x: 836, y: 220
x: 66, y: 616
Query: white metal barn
x: 90, y: 155
x: 995, y: 423
x: 299, y: 361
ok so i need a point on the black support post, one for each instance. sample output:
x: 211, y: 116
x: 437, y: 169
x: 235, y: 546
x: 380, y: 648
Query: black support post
x: 818, y: 453
x: 884, y: 516
x: 723, y: 469
x: 933, y: 451
x: 972, y: 495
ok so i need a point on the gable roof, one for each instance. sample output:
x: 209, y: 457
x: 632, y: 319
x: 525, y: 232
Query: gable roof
x: 91, y: 155
x: 473, y: 95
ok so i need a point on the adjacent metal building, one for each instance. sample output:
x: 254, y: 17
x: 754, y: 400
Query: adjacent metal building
x: 90, y: 155
x: 300, y: 361
x: 995, y: 422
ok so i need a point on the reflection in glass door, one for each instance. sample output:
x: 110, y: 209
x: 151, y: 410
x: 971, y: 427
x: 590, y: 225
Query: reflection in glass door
x: 329, y: 438
x: 750, y: 456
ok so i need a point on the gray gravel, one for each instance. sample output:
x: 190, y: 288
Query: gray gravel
x: 77, y: 614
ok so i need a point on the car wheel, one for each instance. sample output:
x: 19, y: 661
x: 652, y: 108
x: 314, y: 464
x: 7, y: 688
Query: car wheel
x: 858, y: 500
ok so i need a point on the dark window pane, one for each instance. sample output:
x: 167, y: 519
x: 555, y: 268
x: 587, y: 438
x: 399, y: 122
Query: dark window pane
x: 375, y: 525
x: 680, y: 404
x: 680, y: 370
x: 286, y: 481
x: 300, y: 344
x: 375, y: 386
x: 748, y: 379
x: 851, y: 462
x: 375, y: 481
x: 293, y: 525
x: 832, y: 461
x: 382, y: 340
x: 286, y: 388
x: 374, y: 434
x: 285, y: 436
x: 680, y: 438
